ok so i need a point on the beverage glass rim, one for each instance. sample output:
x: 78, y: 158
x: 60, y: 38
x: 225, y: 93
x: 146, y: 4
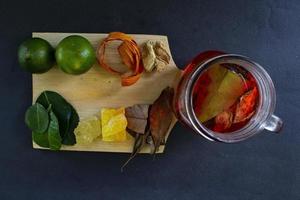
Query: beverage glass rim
x: 267, y: 101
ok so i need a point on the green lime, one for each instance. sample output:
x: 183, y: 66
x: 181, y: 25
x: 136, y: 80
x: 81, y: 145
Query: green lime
x: 75, y: 55
x: 36, y: 55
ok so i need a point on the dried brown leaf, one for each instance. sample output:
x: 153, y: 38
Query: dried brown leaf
x: 138, y: 144
x: 137, y: 125
x: 161, y: 116
x: 140, y: 141
x: 137, y: 118
x: 139, y: 111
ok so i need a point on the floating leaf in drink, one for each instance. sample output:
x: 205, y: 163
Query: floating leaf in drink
x: 223, y: 90
x: 246, y: 106
x: 225, y: 97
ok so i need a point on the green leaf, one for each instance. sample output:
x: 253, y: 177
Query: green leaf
x: 225, y: 88
x: 36, y: 118
x: 54, y: 137
x: 67, y: 116
x: 41, y: 139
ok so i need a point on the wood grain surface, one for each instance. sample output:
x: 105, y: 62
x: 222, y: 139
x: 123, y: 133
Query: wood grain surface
x: 97, y: 89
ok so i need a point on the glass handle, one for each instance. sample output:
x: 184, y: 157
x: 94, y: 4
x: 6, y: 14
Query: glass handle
x: 273, y: 124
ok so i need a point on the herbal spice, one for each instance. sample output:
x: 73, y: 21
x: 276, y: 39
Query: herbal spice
x: 246, y: 106
x: 137, y: 116
x: 155, y: 56
x: 138, y: 127
x: 161, y: 117
x: 139, y: 142
x: 225, y: 97
x: 158, y: 123
x: 129, y: 53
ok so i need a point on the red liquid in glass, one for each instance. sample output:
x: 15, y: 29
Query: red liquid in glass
x: 228, y: 115
x: 225, y: 97
x: 188, y: 69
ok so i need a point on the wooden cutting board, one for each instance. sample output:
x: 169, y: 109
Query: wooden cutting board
x: 96, y: 89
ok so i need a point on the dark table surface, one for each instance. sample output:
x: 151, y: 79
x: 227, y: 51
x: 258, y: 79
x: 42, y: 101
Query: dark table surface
x: 264, y: 167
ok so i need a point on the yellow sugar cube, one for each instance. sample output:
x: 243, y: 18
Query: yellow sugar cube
x: 87, y: 130
x: 114, y: 124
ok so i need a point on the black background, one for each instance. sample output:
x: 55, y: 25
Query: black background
x: 264, y: 167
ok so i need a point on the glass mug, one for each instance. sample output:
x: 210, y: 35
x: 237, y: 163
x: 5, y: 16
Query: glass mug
x: 263, y: 117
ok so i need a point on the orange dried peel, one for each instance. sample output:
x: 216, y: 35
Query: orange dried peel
x: 126, y: 55
x: 246, y: 107
x: 129, y: 53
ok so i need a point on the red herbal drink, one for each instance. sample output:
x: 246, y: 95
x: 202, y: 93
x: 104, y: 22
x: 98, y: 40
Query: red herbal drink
x: 226, y: 97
